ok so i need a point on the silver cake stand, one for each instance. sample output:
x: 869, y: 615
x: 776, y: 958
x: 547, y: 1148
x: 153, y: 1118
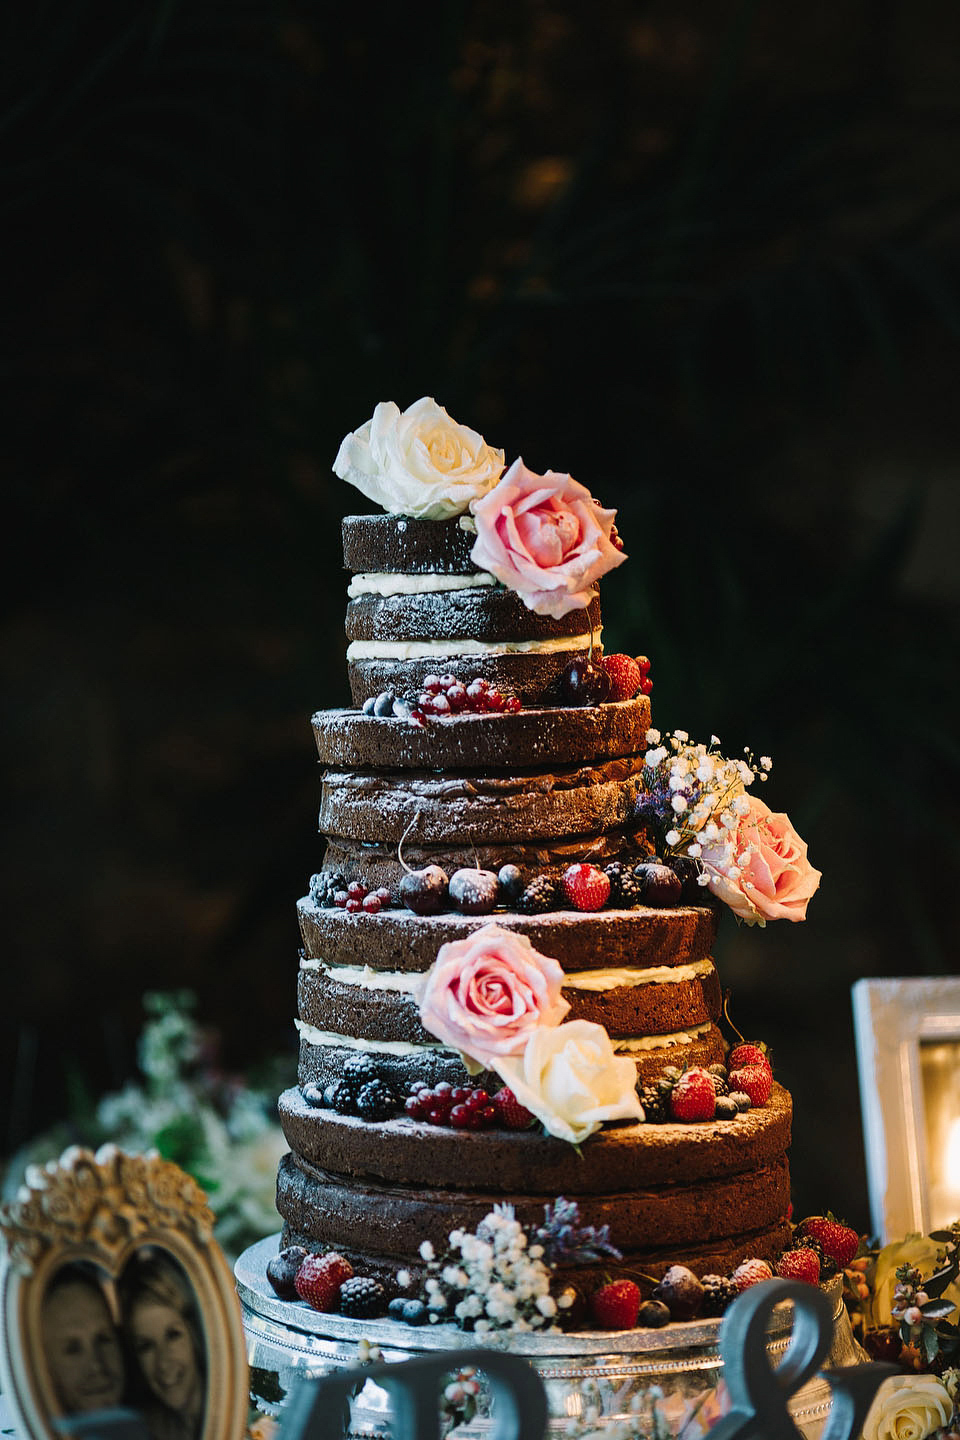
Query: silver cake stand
x: 634, y: 1383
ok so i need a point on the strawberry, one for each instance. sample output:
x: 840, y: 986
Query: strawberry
x: 586, y: 887
x: 755, y: 1081
x: 750, y: 1272
x: 836, y: 1239
x: 749, y: 1052
x: 799, y: 1264
x: 624, y: 675
x: 694, y: 1097
x: 510, y: 1112
x: 616, y: 1306
x: 319, y: 1279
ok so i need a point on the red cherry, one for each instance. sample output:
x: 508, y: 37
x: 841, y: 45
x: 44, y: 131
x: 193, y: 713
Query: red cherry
x: 456, y: 695
x: 433, y: 683
x: 355, y: 890
x: 352, y: 906
x: 371, y: 904
x: 511, y: 705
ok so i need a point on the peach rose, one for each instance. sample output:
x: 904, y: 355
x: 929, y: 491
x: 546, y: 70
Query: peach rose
x: 775, y: 879
x: 485, y: 995
x: 544, y: 537
x: 572, y: 1080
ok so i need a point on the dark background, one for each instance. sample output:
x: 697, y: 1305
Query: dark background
x: 706, y: 257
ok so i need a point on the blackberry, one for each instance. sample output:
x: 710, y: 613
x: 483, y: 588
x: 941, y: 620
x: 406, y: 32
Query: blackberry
x: 324, y: 886
x: 344, y: 1098
x: 718, y: 1291
x: 541, y: 895
x: 625, y: 888
x: 361, y: 1297
x: 359, y: 1069
x: 377, y: 1101
x: 654, y: 1102
x: 719, y: 1083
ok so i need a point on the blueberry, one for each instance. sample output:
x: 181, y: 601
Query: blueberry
x: 511, y: 882
x: 368, y: 705
x: 397, y: 1306
x: 314, y: 1096
x: 653, y: 1314
x: 402, y: 709
x: 383, y: 705
x: 415, y: 1312
x: 282, y: 1270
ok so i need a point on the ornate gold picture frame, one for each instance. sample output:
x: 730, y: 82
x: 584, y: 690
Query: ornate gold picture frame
x: 115, y: 1296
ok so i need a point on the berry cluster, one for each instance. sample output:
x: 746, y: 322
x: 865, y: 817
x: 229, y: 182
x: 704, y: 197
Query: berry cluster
x: 606, y: 680
x: 363, y: 1090
x: 472, y: 891
x: 330, y: 889
x: 326, y: 1282
x: 714, y: 1092
x: 679, y: 1295
x: 587, y: 887
x: 441, y: 697
x: 465, y: 1107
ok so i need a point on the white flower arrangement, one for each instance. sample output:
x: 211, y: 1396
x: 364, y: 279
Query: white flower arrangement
x: 491, y: 1279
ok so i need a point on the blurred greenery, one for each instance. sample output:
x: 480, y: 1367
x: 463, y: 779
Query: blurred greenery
x: 705, y: 258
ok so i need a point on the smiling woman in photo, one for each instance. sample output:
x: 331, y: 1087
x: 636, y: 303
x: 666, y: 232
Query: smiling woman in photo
x: 81, y: 1344
x: 164, y: 1337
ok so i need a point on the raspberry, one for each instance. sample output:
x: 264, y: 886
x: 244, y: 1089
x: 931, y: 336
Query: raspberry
x: 586, y: 887
x: 799, y: 1264
x: 693, y: 1097
x: 755, y: 1081
x: 748, y: 1053
x: 624, y: 675
x: 616, y: 1306
x: 361, y: 1297
x: 750, y: 1272
x: 837, y: 1240
x: 320, y: 1277
x: 511, y: 1113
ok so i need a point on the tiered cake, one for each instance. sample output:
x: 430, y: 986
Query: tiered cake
x: 540, y: 785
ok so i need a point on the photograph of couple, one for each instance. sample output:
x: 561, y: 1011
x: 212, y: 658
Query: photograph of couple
x: 135, y: 1344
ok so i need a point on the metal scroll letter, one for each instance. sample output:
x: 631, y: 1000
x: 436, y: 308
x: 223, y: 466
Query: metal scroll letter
x: 760, y: 1391
x: 319, y: 1409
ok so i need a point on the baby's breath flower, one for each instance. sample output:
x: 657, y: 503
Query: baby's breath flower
x: 427, y: 1251
x: 672, y: 837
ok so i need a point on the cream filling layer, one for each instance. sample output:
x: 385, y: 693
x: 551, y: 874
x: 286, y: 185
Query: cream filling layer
x: 377, y: 583
x: 435, y: 649
x: 313, y: 1036
x: 594, y: 980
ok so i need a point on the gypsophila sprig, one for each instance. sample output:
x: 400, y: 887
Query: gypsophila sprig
x: 566, y: 1242
x: 694, y: 795
x: 491, y: 1279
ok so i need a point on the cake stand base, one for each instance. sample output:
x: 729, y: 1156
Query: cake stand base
x: 646, y: 1382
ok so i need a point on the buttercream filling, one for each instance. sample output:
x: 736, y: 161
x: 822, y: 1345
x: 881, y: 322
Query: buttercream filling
x: 425, y: 649
x: 385, y: 583
x: 594, y: 980
x: 313, y: 1036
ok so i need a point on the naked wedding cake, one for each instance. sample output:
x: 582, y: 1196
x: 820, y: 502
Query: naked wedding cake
x: 508, y: 1008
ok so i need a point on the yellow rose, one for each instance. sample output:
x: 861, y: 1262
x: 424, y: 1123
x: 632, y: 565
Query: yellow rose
x: 916, y: 1250
x: 908, y: 1407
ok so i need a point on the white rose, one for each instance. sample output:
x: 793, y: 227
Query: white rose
x: 908, y: 1407
x: 570, y: 1078
x: 418, y: 462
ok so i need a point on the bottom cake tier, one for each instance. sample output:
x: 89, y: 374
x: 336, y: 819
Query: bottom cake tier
x: 705, y: 1195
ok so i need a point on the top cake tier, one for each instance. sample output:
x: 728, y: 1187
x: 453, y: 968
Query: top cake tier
x: 419, y: 606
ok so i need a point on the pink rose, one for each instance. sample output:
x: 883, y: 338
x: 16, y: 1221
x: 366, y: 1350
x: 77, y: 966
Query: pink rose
x: 544, y: 537
x: 486, y: 994
x: 776, y: 879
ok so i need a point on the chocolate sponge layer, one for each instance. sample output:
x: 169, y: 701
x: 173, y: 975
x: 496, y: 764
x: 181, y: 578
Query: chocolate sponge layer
x: 572, y: 800
x: 400, y: 940
x: 621, y: 1157
x: 488, y: 614
x: 560, y: 736
x: 400, y: 545
x: 533, y: 678
x: 655, y: 1008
